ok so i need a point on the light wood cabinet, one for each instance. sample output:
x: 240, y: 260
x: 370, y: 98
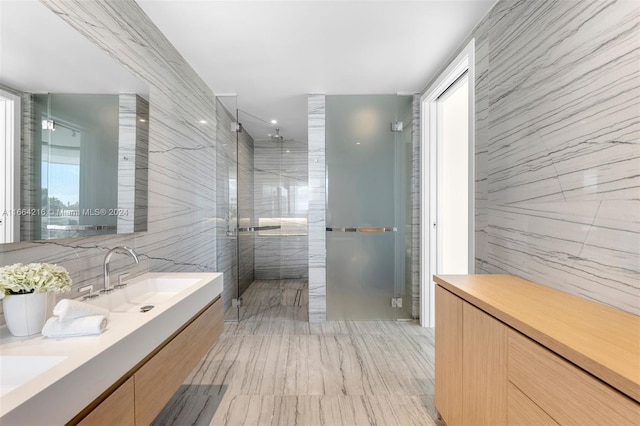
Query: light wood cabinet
x: 484, y: 366
x: 471, y: 371
x: 151, y: 384
x: 448, y: 356
x: 159, y: 378
x: 521, y: 411
x: 531, y: 355
x: 565, y: 392
x: 117, y: 409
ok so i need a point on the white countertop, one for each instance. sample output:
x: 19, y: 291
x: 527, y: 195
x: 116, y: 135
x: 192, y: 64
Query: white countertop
x: 94, y: 363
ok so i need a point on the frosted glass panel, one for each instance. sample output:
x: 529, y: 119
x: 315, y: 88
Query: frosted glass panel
x: 367, y: 187
x: 360, y: 275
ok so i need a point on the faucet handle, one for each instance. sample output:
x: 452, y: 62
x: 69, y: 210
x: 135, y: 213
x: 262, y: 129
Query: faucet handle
x: 121, y: 277
x: 91, y: 294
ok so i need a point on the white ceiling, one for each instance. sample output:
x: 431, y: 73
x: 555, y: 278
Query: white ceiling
x: 273, y: 53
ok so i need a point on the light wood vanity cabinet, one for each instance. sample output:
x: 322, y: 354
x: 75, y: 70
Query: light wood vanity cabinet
x: 159, y: 378
x: 448, y: 355
x: 152, y: 383
x: 509, y: 351
x: 117, y: 409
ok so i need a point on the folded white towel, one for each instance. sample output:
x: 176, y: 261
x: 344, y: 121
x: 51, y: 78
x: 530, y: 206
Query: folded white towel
x: 94, y: 324
x: 68, y: 309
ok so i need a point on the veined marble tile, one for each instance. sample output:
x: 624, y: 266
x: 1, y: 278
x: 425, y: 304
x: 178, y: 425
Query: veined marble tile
x: 317, y: 207
x: 558, y: 146
x: 276, y: 368
x: 416, y: 177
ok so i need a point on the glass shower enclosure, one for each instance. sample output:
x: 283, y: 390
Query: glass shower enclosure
x: 369, y: 159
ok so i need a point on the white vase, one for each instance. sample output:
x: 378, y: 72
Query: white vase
x: 25, y: 314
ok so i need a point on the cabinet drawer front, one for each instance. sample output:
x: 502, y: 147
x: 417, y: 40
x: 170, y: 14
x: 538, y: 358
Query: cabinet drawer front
x: 158, y: 379
x: 448, y: 356
x: 117, y: 409
x: 521, y: 411
x: 565, y: 392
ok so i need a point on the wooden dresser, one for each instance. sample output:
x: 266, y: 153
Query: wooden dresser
x: 509, y: 351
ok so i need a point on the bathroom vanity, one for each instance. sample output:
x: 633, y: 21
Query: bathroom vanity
x: 509, y: 351
x: 125, y: 375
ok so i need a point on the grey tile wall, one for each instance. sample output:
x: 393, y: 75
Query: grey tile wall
x: 558, y: 146
x: 182, y: 217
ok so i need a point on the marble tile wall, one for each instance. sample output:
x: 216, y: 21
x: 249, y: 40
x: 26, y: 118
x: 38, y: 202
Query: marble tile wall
x: 317, y: 207
x: 281, y: 192
x: 27, y: 190
x: 182, y: 217
x: 415, y: 209
x: 558, y: 146
x: 132, y: 170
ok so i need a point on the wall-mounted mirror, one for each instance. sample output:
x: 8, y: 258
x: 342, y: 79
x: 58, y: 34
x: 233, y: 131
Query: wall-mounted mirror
x: 74, y: 126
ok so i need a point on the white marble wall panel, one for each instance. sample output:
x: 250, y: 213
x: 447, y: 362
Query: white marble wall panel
x: 416, y: 176
x: 182, y: 215
x: 317, y: 207
x: 28, y: 192
x: 127, y: 121
x: 558, y: 146
x: 481, y: 142
x: 142, y: 165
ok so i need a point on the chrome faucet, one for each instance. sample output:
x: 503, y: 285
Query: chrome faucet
x: 107, y: 258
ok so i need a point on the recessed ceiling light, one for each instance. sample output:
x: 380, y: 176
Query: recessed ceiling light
x: 142, y: 120
x: 274, y: 121
x: 288, y: 151
x: 203, y: 121
x: 357, y: 143
x: 269, y: 135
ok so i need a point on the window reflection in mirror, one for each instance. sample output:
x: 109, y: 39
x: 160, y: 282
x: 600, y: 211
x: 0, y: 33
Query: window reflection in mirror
x: 74, y: 133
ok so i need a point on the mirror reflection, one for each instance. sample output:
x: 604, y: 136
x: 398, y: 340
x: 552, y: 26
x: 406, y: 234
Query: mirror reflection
x: 74, y: 132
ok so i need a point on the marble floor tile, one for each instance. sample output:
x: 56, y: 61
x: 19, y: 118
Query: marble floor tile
x: 275, y: 368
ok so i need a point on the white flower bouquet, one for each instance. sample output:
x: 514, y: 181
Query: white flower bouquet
x: 33, y: 278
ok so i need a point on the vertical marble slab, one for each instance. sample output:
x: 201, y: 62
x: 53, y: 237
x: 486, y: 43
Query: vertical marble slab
x: 141, y: 201
x: 317, y: 209
x: 416, y: 177
x: 558, y: 146
x: 28, y: 191
x: 181, y: 232
x: 481, y: 142
x: 126, y: 160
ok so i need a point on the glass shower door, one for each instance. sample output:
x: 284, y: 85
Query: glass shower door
x: 368, y: 206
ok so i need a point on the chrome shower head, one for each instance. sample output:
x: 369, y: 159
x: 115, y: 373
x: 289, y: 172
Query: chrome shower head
x: 277, y: 136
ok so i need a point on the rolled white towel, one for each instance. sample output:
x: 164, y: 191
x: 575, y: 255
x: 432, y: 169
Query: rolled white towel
x: 84, y: 326
x: 68, y: 309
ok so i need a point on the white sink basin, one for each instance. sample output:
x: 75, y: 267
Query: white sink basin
x: 18, y: 370
x: 148, y: 291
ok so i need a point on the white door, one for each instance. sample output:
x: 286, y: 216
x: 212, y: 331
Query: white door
x: 448, y: 178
